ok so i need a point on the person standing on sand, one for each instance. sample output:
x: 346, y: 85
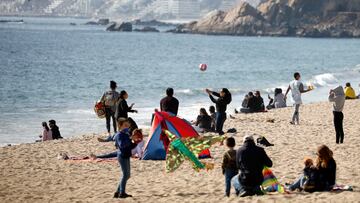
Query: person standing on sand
x: 337, y: 96
x: 297, y: 88
x: 169, y: 103
x: 229, y: 168
x: 221, y: 104
x: 110, y: 99
x: 124, y: 144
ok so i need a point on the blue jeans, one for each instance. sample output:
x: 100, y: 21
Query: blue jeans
x: 299, y: 184
x: 125, y: 168
x: 239, y: 188
x: 107, y: 156
x: 229, y: 174
x: 220, y: 120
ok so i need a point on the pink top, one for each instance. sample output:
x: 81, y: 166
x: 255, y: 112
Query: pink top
x: 47, y: 135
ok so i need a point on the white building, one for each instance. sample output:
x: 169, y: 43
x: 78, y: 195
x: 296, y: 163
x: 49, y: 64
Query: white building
x: 185, y: 9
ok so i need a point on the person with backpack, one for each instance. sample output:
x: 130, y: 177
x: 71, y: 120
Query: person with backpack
x: 224, y: 98
x: 110, y: 99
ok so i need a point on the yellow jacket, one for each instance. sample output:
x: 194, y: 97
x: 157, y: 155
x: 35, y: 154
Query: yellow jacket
x: 350, y: 93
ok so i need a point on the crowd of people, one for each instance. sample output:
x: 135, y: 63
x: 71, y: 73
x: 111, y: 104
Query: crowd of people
x: 243, y: 167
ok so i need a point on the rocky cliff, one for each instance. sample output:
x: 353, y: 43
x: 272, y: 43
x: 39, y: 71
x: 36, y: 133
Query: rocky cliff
x: 304, y: 18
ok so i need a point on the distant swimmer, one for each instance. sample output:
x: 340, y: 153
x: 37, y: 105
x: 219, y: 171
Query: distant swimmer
x: 297, y: 88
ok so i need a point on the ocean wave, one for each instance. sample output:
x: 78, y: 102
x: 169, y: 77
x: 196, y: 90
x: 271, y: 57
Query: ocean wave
x: 323, y: 80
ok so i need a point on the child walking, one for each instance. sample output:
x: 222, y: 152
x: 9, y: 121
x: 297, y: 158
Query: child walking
x: 229, y: 164
x: 124, y: 144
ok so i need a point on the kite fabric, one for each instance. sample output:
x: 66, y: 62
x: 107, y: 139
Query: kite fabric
x: 182, y: 148
x: 270, y: 183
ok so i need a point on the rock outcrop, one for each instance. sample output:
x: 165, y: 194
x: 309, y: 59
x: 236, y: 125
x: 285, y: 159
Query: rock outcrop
x: 304, y: 18
x: 120, y: 27
x: 146, y: 29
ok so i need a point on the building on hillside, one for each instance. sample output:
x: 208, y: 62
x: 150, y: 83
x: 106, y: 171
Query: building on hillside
x: 185, y: 9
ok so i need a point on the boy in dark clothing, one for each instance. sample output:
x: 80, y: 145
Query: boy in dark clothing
x: 229, y: 168
x: 54, y: 130
x: 169, y: 103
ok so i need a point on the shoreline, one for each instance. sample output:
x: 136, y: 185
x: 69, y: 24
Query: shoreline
x: 45, y: 178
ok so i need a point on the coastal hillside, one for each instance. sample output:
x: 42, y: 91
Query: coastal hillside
x: 322, y: 18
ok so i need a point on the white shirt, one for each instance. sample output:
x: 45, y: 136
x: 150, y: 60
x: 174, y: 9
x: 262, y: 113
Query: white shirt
x: 295, y: 90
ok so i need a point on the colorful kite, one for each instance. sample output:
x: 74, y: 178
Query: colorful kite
x: 182, y: 148
x: 271, y: 184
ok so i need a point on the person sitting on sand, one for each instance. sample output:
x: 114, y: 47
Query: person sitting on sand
x: 203, y: 121
x: 124, y: 144
x: 250, y: 104
x: 278, y: 101
x: 111, y: 138
x: 322, y: 177
x: 349, y: 92
x: 337, y: 97
x: 47, y: 134
x: 250, y: 160
x: 297, y: 88
x: 224, y: 98
x: 169, y: 103
x: 309, y: 174
x: 326, y: 167
x: 213, y: 117
x: 229, y: 168
x: 136, y: 152
x: 110, y: 99
x: 259, y: 102
x: 245, y: 101
x: 55, y: 132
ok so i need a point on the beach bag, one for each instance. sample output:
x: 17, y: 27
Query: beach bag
x: 263, y: 141
x: 99, y: 109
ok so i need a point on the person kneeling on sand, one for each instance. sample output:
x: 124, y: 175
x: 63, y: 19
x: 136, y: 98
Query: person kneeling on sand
x: 250, y: 160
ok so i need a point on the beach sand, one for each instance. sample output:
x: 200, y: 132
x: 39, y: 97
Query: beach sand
x: 32, y: 172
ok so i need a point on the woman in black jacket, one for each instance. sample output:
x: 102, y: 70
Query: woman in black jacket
x: 224, y: 98
x: 123, y: 109
x: 326, y: 169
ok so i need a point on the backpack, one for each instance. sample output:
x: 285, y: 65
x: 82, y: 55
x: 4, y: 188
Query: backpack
x: 111, y: 98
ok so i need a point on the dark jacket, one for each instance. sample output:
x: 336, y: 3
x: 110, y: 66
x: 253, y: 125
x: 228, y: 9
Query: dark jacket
x: 124, y: 144
x: 250, y: 160
x: 229, y: 161
x: 204, y: 121
x: 221, y: 103
x: 259, y: 104
x: 56, y: 132
x: 169, y: 104
x: 252, y: 104
x: 122, y: 109
x: 326, y: 177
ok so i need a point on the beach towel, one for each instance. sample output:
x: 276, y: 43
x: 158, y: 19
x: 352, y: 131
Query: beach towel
x: 270, y: 183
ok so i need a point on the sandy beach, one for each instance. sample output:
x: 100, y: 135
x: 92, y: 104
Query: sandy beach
x: 32, y: 172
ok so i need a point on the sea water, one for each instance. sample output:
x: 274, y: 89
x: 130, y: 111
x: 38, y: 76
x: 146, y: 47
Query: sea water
x: 50, y: 69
